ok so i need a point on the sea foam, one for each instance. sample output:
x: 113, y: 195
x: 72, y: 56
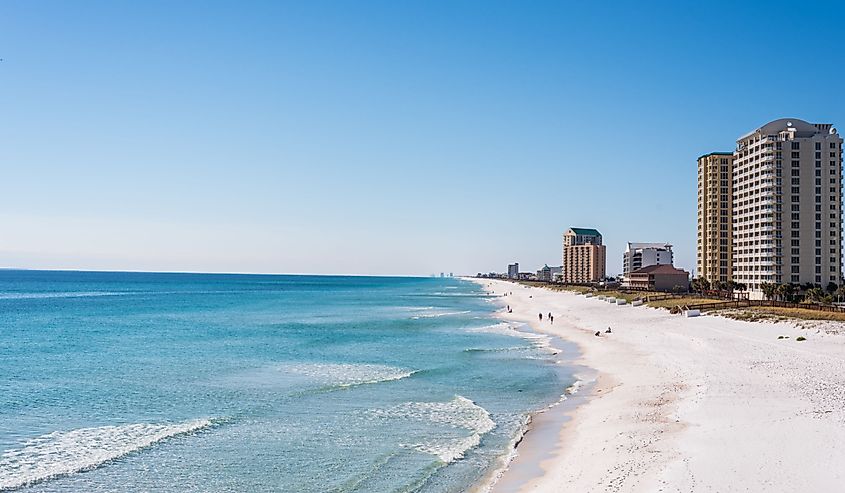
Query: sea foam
x: 538, y: 341
x: 347, y: 375
x: 65, y: 452
x: 439, y: 314
x: 50, y: 295
x: 459, y: 413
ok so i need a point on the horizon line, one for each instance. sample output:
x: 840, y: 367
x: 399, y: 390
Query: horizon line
x: 221, y: 273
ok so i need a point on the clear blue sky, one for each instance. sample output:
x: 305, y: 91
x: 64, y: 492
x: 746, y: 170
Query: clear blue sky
x: 382, y: 137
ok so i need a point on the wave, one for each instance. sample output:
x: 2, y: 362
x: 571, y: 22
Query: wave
x: 66, y: 294
x: 344, y: 375
x: 496, y: 349
x: 539, y: 341
x: 506, y: 460
x: 459, y: 413
x: 440, y: 314
x: 66, y: 452
x: 440, y: 294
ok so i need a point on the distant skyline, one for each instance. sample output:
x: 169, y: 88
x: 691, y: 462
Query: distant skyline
x: 382, y: 137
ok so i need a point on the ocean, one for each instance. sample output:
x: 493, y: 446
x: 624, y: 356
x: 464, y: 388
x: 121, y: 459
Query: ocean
x: 206, y: 382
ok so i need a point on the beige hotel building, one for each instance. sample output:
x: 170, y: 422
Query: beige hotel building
x: 584, y: 256
x: 787, y: 211
x: 715, y: 204
x: 785, y: 199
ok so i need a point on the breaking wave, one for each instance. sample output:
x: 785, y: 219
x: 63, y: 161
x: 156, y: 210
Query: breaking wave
x: 539, y: 341
x: 439, y: 314
x: 66, y: 452
x: 343, y: 375
x: 459, y: 413
x: 66, y: 294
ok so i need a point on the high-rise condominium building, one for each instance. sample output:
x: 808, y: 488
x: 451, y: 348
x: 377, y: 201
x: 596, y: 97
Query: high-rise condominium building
x: 513, y: 270
x: 787, y: 205
x: 584, y: 256
x: 639, y: 255
x: 715, y: 210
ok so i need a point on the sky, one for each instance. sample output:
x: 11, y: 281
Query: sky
x: 383, y: 138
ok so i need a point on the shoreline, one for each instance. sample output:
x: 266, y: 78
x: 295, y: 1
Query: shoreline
x: 662, y: 413
x: 522, y: 463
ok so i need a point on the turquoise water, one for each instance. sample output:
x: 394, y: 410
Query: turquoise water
x: 185, y: 382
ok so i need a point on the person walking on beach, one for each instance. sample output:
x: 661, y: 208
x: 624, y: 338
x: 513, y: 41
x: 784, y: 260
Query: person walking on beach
x: 541, y: 317
x: 551, y: 319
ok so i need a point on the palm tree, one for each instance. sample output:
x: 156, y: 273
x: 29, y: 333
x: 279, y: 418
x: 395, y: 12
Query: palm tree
x: 814, y: 294
x: 788, y: 291
x: 768, y: 289
x: 780, y: 291
x: 700, y: 284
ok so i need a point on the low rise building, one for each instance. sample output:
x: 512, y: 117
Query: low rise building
x: 660, y: 277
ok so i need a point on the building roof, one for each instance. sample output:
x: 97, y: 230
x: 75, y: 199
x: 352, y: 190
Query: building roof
x: 585, y: 231
x: 636, y: 246
x: 802, y: 127
x: 660, y: 269
x: 717, y: 153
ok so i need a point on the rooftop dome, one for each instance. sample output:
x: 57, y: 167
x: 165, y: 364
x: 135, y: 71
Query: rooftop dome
x: 777, y: 126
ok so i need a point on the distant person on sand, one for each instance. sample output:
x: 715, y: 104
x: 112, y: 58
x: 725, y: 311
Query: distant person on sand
x: 541, y: 317
x: 607, y: 331
x: 598, y: 333
x: 551, y: 319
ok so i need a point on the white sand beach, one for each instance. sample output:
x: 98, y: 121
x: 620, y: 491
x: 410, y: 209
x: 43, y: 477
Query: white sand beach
x: 689, y: 404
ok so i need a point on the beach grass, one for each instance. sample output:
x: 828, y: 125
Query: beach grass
x: 774, y: 314
x: 681, y: 301
x: 749, y: 314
